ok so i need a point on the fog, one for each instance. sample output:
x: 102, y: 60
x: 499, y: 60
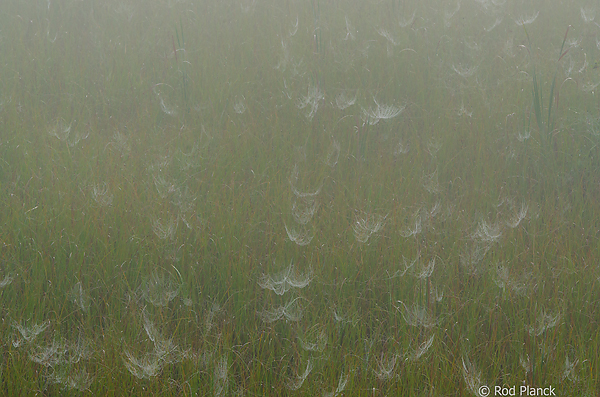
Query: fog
x: 299, y: 197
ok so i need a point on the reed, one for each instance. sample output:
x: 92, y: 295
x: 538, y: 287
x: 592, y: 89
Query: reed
x: 545, y: 120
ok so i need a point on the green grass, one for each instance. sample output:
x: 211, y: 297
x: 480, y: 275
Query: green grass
x: 147, y: 181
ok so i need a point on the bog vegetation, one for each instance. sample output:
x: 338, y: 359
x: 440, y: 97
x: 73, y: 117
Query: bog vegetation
x: 303, y: 197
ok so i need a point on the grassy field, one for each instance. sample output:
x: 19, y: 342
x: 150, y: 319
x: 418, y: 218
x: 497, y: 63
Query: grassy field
x: 309, y: 197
